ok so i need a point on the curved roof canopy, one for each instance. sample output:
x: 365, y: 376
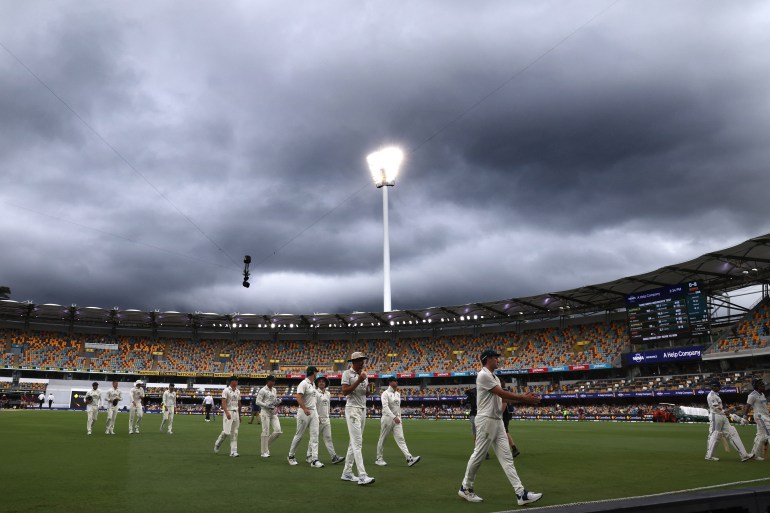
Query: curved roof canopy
x: 721, y: 271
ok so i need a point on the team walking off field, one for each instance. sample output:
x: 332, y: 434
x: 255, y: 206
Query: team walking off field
x: 489, y: 401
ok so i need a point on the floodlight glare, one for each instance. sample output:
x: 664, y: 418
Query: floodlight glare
x: 384, y: 165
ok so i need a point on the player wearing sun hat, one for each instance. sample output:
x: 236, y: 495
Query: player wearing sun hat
x: 135, y: 409
x: 354, y: 384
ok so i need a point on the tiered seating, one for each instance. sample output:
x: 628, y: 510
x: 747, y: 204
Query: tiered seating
x: 187, y: 356
x: 753, y: 332
x: 48, y: 349
x: 132, y: 355
x: 246, y: 357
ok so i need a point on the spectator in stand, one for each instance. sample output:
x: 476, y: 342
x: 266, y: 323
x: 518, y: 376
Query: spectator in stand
x: 267, y: 399
x: 490, y: 430
x: 391, y: 422
x: 93, y: 398
x: 324, y: 424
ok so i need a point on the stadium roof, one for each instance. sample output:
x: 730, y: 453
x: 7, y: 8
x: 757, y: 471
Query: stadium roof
x: 721, y: 271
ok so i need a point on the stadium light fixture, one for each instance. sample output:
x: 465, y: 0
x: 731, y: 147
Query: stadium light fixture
x: 384, y: 166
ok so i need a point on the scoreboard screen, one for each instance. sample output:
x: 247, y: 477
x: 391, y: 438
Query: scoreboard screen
x: 675, y: 312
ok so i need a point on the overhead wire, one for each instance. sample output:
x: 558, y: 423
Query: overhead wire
x: 454, y: 120
x: 116, y: 152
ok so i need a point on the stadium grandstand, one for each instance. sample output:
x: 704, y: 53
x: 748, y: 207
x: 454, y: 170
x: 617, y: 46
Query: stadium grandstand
x: 574, y: 348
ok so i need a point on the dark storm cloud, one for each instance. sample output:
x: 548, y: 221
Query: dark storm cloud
x: 635, y: 143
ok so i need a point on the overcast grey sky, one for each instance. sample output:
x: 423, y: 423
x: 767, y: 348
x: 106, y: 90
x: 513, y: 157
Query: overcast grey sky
x: 627, y: 136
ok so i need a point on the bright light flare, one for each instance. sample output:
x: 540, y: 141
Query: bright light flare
x: 384, y: 165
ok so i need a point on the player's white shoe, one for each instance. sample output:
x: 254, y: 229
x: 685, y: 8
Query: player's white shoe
x: 747, y: 457
x: 170, y: 432
x: 468, y: 495
x: 336, y: 459
x: 365, y: 480
x: 414, y: 459
x: 711, y: 458
x: 292, y: 460
x: 380, y: 462
x: 528, y: 497
x: 216, y: 448
x: 759, y: 458
x: 349, y: 477
x: 265, y: 454
x: 234, y: 455
x: 130, y: 432
x: 316, y: 464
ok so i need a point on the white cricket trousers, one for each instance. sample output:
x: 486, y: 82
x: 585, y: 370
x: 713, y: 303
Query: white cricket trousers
x: 763, y: 433
x: 270, y: 422
x: 303, y: 423
x: 356, y: 419
x: 388, y: 425
x: 719, y: 426
x: 112, y: 415
x: 230, y: 428
x: 92, y: 412
x: 134, y: 418
x: 491, y: 433
x: 325, y: 433
x: 168, y: 417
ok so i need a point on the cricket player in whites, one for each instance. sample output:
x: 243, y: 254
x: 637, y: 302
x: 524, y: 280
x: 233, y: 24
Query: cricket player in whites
x: 490, y: 431
x: 135, y: 409
x: 354, y: 384
x: 169, y: 406
x: 231, y: 420
x: 323, y: 403
x: 307, y: 417
x: 391, y: 422
x: 720, y: 426
x: 93, y: 398
x: 758, y: 402
x: 267, y: 399
x: 113, y: 398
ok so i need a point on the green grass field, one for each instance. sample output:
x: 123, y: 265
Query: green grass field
x: 49, y: 464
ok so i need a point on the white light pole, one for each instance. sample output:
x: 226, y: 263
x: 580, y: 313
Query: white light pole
x: 384, y: 165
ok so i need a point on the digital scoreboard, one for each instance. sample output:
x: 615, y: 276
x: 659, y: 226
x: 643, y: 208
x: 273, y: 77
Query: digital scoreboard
x: 675, y: 312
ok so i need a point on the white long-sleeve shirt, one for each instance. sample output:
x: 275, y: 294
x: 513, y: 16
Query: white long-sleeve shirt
x: 267, y: 398
x: 169, y: 399
x: 391, y: 403
x: 137, y: 394
x: 96, y: 397
x: 111, y: 395
x: 715, y: 403
x: 758, y: 403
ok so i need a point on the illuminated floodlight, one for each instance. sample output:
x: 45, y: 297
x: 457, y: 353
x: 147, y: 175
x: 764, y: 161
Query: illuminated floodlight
x: 384, y: 165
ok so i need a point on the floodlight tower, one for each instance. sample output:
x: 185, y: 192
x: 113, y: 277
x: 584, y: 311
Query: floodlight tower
x: 384, y: 165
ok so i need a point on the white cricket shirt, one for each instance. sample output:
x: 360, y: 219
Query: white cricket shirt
x: 487, y: 403
x: 356, y: 398
x: 758, y: 403
x: 308, y: 391
x: 391, y: 403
